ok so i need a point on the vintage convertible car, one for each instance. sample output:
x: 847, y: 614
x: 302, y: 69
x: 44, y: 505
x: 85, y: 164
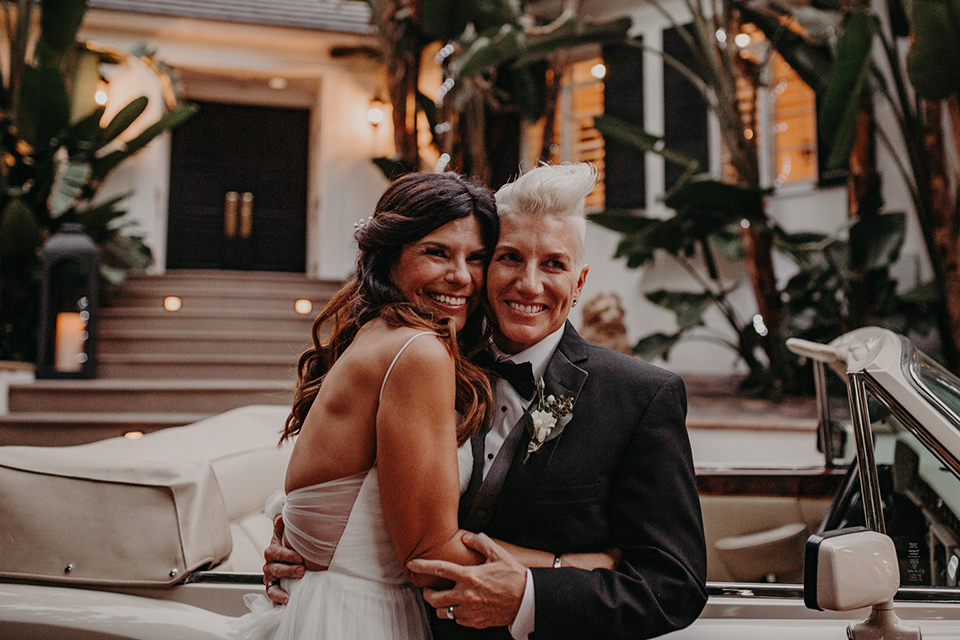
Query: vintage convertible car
x: 160, y: 537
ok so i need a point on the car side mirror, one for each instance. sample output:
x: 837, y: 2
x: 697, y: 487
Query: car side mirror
x: 853, y: 568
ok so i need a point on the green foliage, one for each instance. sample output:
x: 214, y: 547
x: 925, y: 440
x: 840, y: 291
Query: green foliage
x: 843, y: 279
x: 51, y: 164
x: 933, y: 62
x: 844, y: 91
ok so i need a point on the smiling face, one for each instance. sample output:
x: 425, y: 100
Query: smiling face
x: 533, y: 278
x: 443, y: 271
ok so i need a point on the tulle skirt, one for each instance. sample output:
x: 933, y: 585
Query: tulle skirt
x: 327, y: 605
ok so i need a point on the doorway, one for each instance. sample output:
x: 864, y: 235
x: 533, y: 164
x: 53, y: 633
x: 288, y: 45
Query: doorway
x: 238, y: 189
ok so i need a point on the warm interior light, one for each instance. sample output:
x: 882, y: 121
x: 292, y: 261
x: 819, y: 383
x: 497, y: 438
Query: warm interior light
x: 277, y: 83
x: 69, y: 338
x: 742, y: 39
x: 303, y: 306
x: 100, y: 97
x: 598, y: 71
x: 133, y: 435
x: 172, y: 303
x: 375, y: 113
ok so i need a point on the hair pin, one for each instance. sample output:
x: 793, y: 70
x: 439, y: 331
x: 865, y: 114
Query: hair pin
x: 361, y: 223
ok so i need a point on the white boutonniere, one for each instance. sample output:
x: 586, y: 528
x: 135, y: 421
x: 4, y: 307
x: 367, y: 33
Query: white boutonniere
x: 545, y: 418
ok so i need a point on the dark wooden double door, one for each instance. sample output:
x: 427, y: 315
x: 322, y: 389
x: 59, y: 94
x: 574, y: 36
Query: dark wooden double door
x: 238, y: 189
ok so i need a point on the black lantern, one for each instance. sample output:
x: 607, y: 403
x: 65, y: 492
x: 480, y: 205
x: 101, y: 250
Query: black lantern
x: 68, y: 308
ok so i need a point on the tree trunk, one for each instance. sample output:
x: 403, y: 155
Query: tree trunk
x: 757, y: 243
x: 403, y: 64
x: 946, y: 231
x: 863, y: 168
x: 554, y: 80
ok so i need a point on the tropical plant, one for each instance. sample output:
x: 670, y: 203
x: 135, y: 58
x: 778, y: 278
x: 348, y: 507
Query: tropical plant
x: 55, y: 152
x: 843, y: 278
x: 865, y: 61
x: 495, y: 57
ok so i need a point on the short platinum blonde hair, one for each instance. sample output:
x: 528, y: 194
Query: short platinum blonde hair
x: 557, y: 190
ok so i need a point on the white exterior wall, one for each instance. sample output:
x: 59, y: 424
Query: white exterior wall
x: 232, y: 63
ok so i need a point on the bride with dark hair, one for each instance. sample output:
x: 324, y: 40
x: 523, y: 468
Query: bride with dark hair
x: 385, y: 399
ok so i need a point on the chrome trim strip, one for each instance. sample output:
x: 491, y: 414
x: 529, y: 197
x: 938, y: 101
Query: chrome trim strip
x: 224, y: 577
x: 759, y: 591
x: 752, y: 590
x: 912, y: 425
x: 869, y: 478
x: 823, y: 413
x: 910, y: 364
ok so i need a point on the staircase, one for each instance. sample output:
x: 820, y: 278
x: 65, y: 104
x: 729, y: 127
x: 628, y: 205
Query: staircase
x: 234, y: 341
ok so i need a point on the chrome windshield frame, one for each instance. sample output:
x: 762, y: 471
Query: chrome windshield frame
x: 910, y: 363
x: 863, y: 435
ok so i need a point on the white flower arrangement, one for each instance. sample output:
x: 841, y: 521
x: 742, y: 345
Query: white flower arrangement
x: 545, y: 418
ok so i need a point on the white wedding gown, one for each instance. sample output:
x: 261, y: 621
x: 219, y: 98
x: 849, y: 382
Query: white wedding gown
x: 363, y: 594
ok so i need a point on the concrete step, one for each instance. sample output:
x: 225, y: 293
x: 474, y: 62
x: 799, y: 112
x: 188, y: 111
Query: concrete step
x: 225, y: 277
x: 190, y: 366
x: 217, y: 299
x: 189, y: 320
x: 231, y: 283
x: 51, y: 429
x: 133, y: 341
x: 150, y: 396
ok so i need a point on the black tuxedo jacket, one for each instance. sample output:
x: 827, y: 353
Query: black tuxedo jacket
x: 620, y: 475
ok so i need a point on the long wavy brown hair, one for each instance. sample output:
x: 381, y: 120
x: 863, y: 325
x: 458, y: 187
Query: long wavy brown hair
x: 409, y: 209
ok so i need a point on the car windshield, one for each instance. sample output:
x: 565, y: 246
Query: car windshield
x: 920, y: 498
x: 940, y: 386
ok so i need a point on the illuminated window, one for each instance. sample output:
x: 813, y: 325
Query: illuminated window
x: 778, y: 109
x: 581, y: 100
x: 793, y: 126
x: 786, y: 124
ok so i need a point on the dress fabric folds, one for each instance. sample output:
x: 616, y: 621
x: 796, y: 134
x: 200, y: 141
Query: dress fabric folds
x: 363, y: 594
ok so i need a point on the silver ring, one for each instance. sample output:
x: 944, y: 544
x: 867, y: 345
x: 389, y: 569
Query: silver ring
x: 272, y: 583
x: 450, y: 614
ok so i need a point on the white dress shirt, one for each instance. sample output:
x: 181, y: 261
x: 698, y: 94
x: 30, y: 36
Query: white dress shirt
x: 508, y: 409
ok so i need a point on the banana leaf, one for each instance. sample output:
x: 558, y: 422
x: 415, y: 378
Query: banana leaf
x: 44, y: 105
x: 633, y: 135
x: 511, y: 45
x: 570, y: 35
x: 933, y: 61
x: 103, y: 166
x: 837, y: 118
x: 60, y: 23
x: 84, y: 134
x: 729, y: 202
x: 876, y: 239
x: 96, y: 219
x: 622, y: 220
x: 68, y: 184
x: 20, y: 236
x: 394, y: 168
x: 812, y: 62
x: 124, y: 118
x: 688, y: 307
x: 656, y: 345
x: 488, y: 52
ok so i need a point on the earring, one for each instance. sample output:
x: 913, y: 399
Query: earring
x: 574, y: 302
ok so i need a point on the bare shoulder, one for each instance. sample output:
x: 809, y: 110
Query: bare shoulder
x: 380, y: 345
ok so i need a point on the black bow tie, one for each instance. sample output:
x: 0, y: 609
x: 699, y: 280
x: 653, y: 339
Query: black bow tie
x: 518, y: 374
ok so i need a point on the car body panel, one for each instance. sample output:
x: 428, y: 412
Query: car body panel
x: 203, y: 604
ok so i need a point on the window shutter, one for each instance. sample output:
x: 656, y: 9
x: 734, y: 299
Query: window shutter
x: 625, y: 178
x: 684, y: 112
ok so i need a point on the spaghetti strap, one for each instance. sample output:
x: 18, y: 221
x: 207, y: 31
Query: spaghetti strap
x: 396, y: 357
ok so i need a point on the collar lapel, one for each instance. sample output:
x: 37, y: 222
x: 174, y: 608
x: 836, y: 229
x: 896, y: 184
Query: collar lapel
x: 562, y: 377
